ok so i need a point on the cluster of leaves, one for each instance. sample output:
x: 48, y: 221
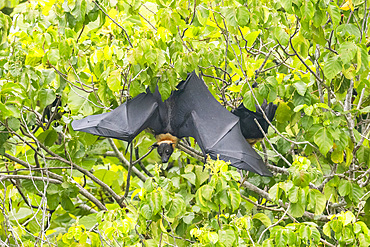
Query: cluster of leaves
x: 166, y: 210
x: 63, y: 60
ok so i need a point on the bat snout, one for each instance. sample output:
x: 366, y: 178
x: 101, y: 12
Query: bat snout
x: 165, y: 159
x: 165, y: 150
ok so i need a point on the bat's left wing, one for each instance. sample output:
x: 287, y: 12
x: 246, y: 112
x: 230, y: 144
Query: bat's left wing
x: 126, y: 121
x: 217, y: 131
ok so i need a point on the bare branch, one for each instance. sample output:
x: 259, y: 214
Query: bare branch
x: 125, y: 162
x: 192, y: 152
x: 54, y: 181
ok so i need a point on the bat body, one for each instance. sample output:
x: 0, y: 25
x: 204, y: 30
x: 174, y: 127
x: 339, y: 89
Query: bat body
x: 190, y: 111
x: 250, y: 130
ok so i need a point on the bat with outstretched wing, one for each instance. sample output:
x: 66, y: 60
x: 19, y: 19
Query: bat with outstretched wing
x: 250, y: 130
x: 190, y: 111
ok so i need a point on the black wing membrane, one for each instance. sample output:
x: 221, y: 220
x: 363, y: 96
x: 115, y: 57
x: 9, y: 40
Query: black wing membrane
x: 198, y: 114
x: 125, y: 122
x: 249, y: 128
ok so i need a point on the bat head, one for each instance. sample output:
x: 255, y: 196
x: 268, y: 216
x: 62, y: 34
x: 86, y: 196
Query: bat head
x: 165, y: 150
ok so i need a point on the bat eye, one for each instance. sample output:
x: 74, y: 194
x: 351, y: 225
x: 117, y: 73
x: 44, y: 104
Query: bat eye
x: 167, y: 151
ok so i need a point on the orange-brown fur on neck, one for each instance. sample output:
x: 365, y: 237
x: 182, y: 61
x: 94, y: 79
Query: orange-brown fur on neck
x: 167, y: 138
x: 252, y: 142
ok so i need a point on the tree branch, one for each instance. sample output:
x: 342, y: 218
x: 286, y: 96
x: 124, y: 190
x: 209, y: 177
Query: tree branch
x: 125, y: 162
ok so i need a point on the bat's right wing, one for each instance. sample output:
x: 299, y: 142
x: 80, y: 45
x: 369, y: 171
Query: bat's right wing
x: 125, y: 122
x: 198, y: 114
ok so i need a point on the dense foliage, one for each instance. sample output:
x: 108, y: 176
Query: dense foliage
x: 63, y: 60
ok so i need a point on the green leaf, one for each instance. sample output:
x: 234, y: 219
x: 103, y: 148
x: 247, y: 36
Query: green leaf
x: 53, y: 56
x: 337, y: 156
x: 348, y: 218
x: 364, y: 240
x: 301, y: 87
x: 53, y: 201
x: 52, y: 189
x: 88, y: 221
x: 318, y: 35
x: 307, y: 10
x: 48, y: 137
x: 137, y: 88
x: 249, y: 101
x: 326, y: 229
x: 227, y: 237
x: 319, y: 17
x: 263, y: 218
x: 317, y: 201
x: 106, y: 176
x: 251, y: 37
x: 356, y: 193
x: 332, y: 67
x: 5, y: 112
x: 229, y: 14
x: 346, y: 30
x: 165, y: 197
x: 305, y: 232
x: 148, y: 185
x: 235, y: 198
x: 281, y: 239
x: 114, y: 81
x: 334, y: 13
x: 344, y: 187
x: 364, y: 59
x: 350, y: 72
x: 287, y: 5
x: 177, y: 205
x: 78, y: 102
x: 293, y: 194
x: 46, y: 97
x: 190, y: 177
x: 300, y: 178
x: 296, y: 209
x: 14, y: 123
x: 283, y: 112
x: 156, y: 201
x: 281, y: 36
x: 347, y: 51
x: 213, y: 237
x: 64, y: 49
x: 66, y: 203
x: 164, y: 90
x: 22, y: 213
x: 242, y: 16
x: 146, y: 211
x: 188, y: 218
x: 201, y: 175
x: 206, y: 191
x: 324, y: 140
x: 224, y: 198
x: 367, y: 207
x: 365, y: 110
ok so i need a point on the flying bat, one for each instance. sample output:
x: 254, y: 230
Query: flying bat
x: 190, y: 111
x: 250, y: 129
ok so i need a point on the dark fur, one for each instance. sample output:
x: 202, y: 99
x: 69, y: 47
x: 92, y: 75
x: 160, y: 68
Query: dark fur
x: 250, y: 129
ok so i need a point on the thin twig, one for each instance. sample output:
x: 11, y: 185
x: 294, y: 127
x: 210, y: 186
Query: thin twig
x: 54, y: 181
x: 129, y: 172
x: 128, y: 38
x: 275, y: 224
x: 124, y: 161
